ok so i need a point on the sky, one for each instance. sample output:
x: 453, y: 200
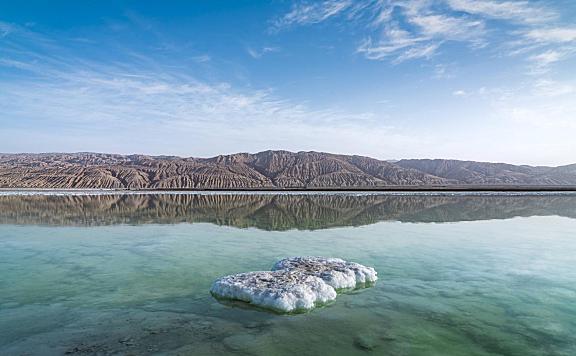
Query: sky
x: 484, y: 80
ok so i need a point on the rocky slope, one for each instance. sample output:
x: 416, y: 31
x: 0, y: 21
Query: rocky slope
x: 265, y: 169
x: 470, y: 172
x: 269, y: 169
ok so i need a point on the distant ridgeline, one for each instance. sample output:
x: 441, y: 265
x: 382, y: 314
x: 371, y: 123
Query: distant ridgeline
x: 273, y: 211
x: 269, y: 169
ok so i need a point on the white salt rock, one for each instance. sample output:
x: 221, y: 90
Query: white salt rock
x: 336, y: 272
x: 284, y: 291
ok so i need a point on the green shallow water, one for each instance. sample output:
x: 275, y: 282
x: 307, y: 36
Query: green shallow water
x: 130, y: 274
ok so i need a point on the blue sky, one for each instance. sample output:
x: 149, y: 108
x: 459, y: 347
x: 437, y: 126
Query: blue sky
x: 491, y: 80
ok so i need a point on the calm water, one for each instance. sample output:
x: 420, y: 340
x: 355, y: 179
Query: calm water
x: 130, y: 274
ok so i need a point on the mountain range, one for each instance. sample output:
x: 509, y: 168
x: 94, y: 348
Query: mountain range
x: 268, y: 169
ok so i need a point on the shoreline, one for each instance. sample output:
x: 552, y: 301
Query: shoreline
x: 391, y: 190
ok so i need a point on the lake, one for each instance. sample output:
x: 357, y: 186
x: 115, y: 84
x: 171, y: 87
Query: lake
x: 129, y: 274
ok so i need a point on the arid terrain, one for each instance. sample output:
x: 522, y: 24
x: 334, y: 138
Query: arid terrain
x: 268, y: 169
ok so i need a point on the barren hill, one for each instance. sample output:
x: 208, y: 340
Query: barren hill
x: 268, y: 169
x: 470, y: 172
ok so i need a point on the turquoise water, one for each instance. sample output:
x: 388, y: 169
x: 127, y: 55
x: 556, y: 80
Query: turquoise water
x: 130, y: 274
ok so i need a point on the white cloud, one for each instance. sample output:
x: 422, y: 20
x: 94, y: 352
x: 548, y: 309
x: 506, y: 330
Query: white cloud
x: 554, y: 44
x: 551, y: 88
x: 399, y: 30
x: 395, y: 43
x: 312, y: 12
x: 543, y: 104
x: 400, y: 45
x: 541, y: 115
x: 546, y: 58
x: 424, y: 51
x: 517, y: 11
x: 141, y: 99
x: 444, y: 71
x: 546, y: 55
x: 156, y: 113
x: 138, y: 105
x: 448, y: 27
x: 541, y: 62
x: 429, y: 31
x: 257, y: 54
x: 553, y: 35
x: 202, y: 58
x: 106, y: 96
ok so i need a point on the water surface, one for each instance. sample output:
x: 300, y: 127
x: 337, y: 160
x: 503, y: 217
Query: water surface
x: 130, y: 274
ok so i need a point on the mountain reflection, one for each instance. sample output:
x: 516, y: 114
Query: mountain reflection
x: 274, y: 212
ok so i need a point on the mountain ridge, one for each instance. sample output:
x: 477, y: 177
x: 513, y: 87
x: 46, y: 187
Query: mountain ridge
x: 266, y: 169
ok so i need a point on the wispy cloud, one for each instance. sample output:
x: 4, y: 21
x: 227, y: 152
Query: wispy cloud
x: 553, y: 35
x: 106, y: 93
x: 538, y: 104
x: 398, y: 44
x: 547, y: 46
x: 447, y: 27
x: 259, y: 53
x: 417, y: 29
x: 107, y: 98
x: 125, y: 96
x: 552, y: 88
x: 312, y: 12
x: 516, y: 11
x: 202, y: 58
x: 444, y: 71
x: 541, y: 62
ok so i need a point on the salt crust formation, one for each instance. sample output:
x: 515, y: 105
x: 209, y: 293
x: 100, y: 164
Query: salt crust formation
x: 295, y: 284
x: 337, y: 273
